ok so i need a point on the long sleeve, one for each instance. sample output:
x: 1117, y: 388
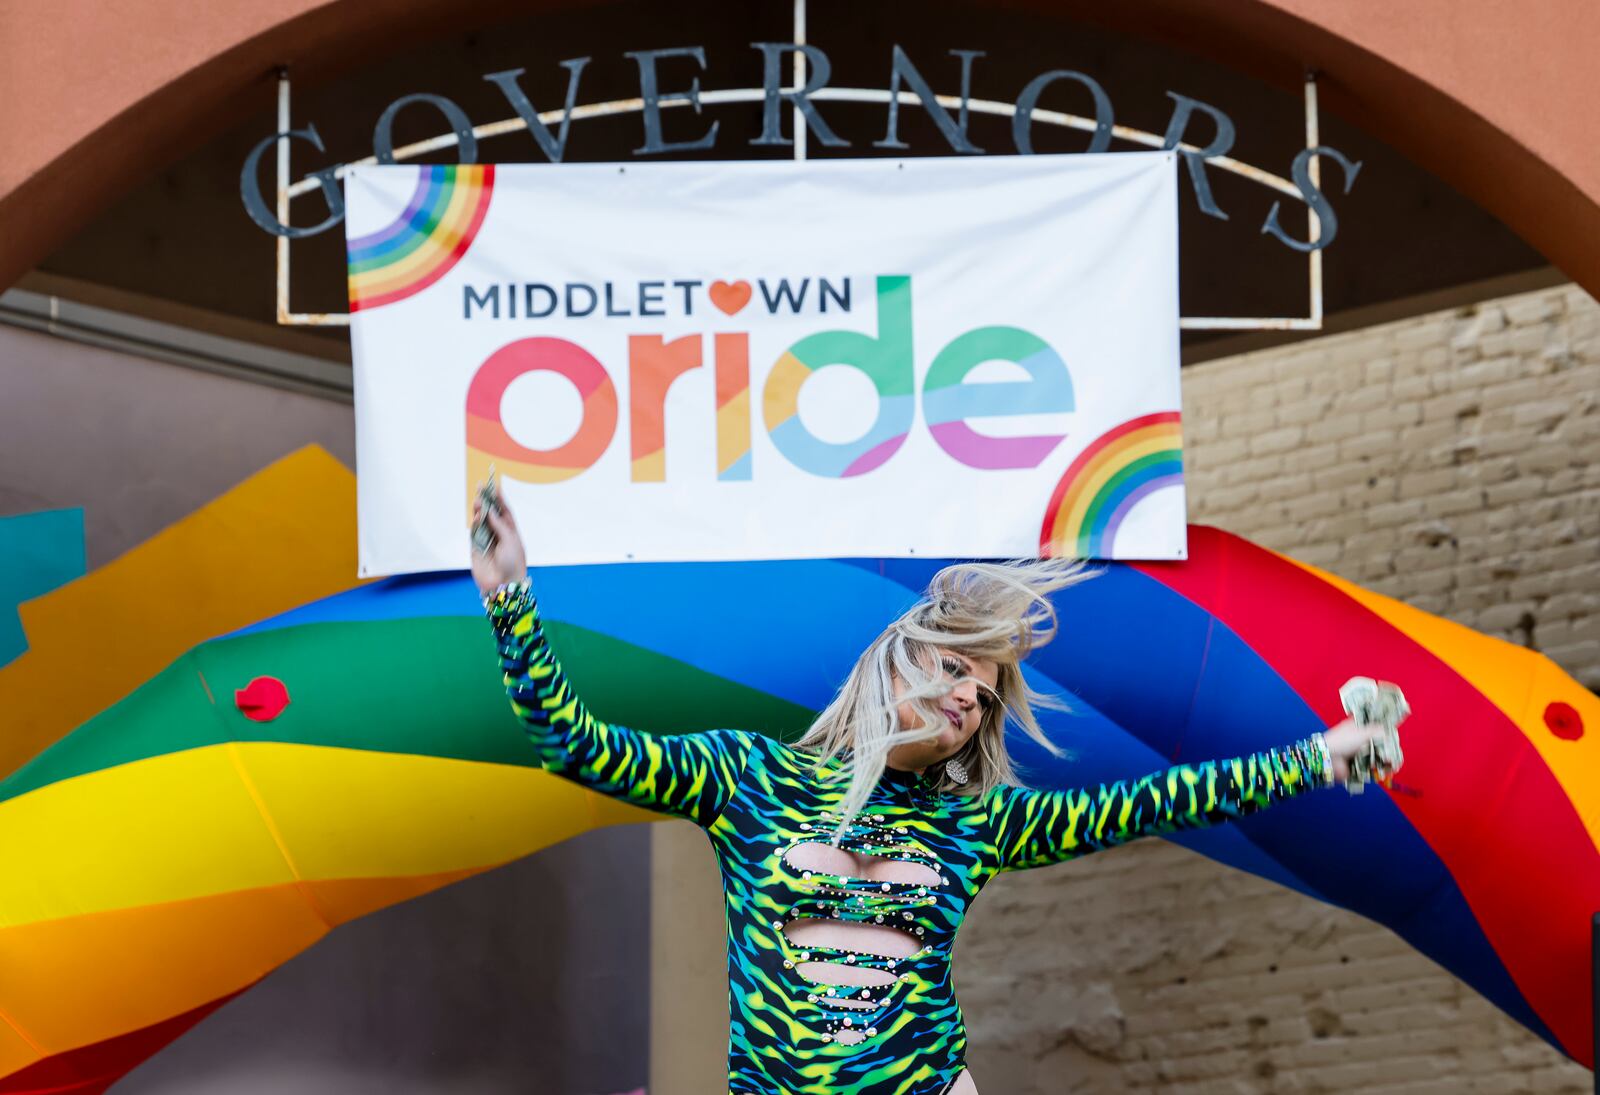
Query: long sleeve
x: 687, y: 775
x: 1036, y: 828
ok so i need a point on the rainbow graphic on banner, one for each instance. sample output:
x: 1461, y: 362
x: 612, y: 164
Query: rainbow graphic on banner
x: 1105, y: 482
x: 429, y: 237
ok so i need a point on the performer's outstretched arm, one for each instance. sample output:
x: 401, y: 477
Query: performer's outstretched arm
x: 688, y: 775
x: 1041, y: 827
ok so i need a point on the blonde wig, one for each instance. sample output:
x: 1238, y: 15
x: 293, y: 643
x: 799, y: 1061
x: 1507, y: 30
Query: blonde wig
x: 995, y: 611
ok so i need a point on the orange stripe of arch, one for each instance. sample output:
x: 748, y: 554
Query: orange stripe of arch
x: 142, y: 959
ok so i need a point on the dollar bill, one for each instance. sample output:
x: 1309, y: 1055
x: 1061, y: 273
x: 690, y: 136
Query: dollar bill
x: 1374, y: 703
x: 483, y: 537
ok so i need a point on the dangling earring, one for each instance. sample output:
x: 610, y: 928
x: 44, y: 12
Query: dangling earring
x: 956, y: 771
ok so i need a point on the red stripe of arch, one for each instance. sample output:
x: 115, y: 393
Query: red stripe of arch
x: 1488, y: 805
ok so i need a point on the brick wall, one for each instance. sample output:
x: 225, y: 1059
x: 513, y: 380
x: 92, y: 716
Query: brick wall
x: 1450, y: 460
x: 1148, y: 968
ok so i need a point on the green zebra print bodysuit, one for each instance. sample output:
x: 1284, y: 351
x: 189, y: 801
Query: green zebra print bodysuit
x: 758, y: 799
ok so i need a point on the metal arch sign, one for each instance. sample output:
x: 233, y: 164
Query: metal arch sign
x: 906, y: 83
x: 811, y: 73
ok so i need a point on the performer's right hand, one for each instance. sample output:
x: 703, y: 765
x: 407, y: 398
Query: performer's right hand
x: 1344, y: 741
x: 506, y: 561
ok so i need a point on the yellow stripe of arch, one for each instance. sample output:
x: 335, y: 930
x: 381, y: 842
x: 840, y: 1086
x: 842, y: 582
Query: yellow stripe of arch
x: 1075, y: 506
x: 1518, y: 681
x: 186, y: 825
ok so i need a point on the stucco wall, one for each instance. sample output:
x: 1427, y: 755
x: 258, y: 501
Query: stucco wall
x: 1499, y: 95
x: 1451, y: 460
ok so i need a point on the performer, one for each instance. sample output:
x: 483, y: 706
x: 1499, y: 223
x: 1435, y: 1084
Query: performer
x: 850, y: 858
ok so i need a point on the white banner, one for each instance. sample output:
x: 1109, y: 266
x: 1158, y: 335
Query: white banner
x: 770, y: 360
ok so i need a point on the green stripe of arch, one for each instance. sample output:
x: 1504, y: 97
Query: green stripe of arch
x: 425, y: 686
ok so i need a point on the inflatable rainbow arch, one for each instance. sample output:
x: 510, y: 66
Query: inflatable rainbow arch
x: 181, y: 843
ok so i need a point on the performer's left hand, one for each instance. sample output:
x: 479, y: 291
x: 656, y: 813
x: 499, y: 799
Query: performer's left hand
x: 507, y: 560
x: 1347, y: 739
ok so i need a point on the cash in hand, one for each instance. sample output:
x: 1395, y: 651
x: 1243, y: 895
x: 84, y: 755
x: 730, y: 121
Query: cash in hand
x: 483, y: 537
x: 1374, y: 703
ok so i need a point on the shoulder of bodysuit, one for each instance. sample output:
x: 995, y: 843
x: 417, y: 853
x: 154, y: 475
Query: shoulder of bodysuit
x: 778, y: 752
x: 1001, y: 795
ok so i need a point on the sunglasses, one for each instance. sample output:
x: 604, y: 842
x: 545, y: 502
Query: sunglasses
x: 956, y: 671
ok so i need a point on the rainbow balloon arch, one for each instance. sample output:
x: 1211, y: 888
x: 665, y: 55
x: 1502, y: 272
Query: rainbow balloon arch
x: 357, y: 751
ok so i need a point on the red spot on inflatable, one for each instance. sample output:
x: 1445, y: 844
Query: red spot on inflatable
x: 1564, y: 721
x: 263, y: 699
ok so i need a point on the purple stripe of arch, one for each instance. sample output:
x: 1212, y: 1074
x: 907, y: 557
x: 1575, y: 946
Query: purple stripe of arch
x: 402, y: 224
x: 1108, y: 536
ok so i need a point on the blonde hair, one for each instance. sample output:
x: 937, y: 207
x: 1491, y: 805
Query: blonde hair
x: 996, y: 611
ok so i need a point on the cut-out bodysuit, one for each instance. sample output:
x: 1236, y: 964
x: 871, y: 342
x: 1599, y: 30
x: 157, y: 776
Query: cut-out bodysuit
x: 792, y: 1032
